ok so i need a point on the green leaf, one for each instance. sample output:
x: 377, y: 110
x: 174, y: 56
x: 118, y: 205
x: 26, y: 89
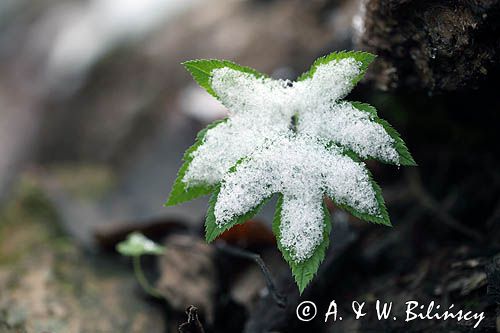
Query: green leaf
x: 364, y: 57
x: 405, y: 157
x: 137, y: 244
x: 365, y: 107
x: 180, y: 191
x: 212, y: 230
x: 201, y: 70
x: 304, y: 271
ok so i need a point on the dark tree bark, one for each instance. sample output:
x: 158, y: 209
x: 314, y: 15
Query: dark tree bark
x: 432, y: 45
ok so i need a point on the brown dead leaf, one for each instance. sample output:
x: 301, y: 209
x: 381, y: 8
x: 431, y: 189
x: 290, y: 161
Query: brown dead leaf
x: 188, y: 274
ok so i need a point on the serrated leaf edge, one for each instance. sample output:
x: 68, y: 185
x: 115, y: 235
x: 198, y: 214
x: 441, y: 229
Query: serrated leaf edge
x: 212, y: 230
x: 201, y: 71
x: 180, y: 192
x: 365, y: 58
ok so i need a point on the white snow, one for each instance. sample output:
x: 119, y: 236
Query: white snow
x: 322, y: 115
x: 302, y: 169
x: 257, y: 111
x: 351, y: 128
x: 329, y: 83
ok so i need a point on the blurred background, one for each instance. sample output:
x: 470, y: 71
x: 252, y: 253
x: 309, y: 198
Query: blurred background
x: 96, y: 111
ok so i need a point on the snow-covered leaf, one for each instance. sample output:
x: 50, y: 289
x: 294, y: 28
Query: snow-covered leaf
x: 257, y: 112
x: 299, y: 140
x: 405, y: 157
x: 303, y: 170
x: 214, y: 230
x: 304, y: 271
x: 182, y: 191
x: 364, y: 58
x: 202, y: 71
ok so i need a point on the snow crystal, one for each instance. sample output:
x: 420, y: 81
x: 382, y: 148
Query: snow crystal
x: 302, y: 169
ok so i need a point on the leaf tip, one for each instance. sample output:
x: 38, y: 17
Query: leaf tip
x: 188, y: 63
x: 409, y: 161
x: 301, y: 289
x: 172, y: 199
x: 210, y: 236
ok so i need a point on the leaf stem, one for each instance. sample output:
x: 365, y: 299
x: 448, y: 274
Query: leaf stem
x: 278, y: 298
x: 141, y: 278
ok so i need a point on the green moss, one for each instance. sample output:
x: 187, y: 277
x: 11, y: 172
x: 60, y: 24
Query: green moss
x: 28, y: 220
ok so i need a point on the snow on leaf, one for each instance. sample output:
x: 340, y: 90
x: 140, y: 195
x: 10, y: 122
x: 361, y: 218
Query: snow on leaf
x: 364, y: 58
x: 405, y: 157
x: 202, y: 70
x: 258, y: 110
x: 303, y: 170
x: 304, y: 271
x: 329, y: 83
x: 181, y: 191
x: 299, y: 140
x: 351, y: 128
x: 213, y: 230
